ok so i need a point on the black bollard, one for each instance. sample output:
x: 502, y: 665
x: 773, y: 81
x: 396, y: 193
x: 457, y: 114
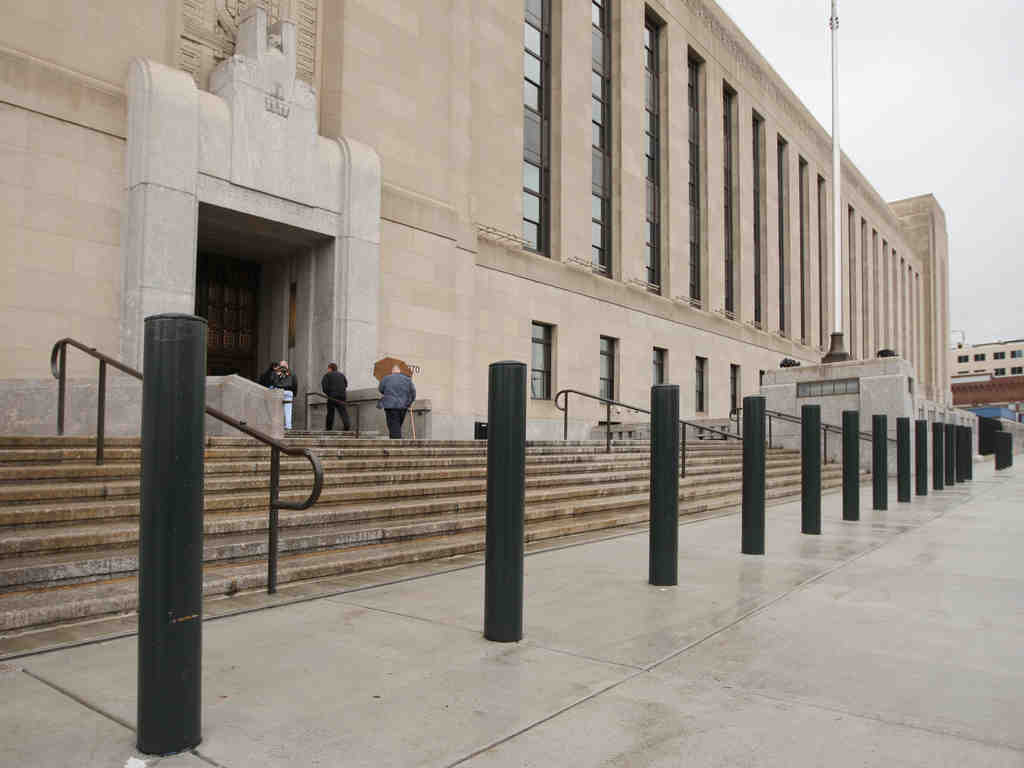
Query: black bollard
x: 960, y: 464
x: 753, y: 475
x: 964, y: 461
x: 851, y: 465
x: 938, y: 460
x: 949, y: 442
x: 921, y: 456
x: 169, y: 716
x: 880, y: 461
x: 810, y: 477
x: 970, y: 453
x: 902, y: 459
x: 663, y: 559
x: 506, y: 496
x: 1004, y: 449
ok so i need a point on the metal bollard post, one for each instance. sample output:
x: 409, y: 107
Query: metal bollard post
x: 506, y: 489
x: 810, y: 476
x: 902, y: 459
x: 753, y: 475
x: 950, y: 454
x: 921, y: 456
x: 851, y: 465
x: 1004, y: 450
x: 880, y: 461
x: 663, y: 559
x: 963, y: 463
x: 970, y: 452
x: 171, y: 535
x: 938, y: 460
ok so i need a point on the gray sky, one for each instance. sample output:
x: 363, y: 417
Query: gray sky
x: 930, y: 101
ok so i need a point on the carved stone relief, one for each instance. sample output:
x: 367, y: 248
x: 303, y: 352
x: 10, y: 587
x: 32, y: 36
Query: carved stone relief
x: 211, y: 27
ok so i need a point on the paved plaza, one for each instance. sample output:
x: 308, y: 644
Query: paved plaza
x: 893, y: 641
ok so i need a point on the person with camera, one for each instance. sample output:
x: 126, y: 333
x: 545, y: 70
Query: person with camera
x: 280, y: 376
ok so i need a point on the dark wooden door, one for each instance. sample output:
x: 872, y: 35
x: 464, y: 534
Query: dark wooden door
x: 227, y: 295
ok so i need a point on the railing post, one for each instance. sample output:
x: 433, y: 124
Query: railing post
x: 272, y: 523
x: 608, y: 428
x: 938, y: 460
x: 810, y: 476
x: 824, y: 440
x: 62, y: 385
x: 307, y: 410
x: 663, y: 554
x: 851, y: 465
x: 506, y: 487
x: 950, y: 454
x: 902, y: 459
x: 879, y: 461
x: 358, y: 410
x: 682, y: 450
x: 565, y: 419
x: 171, y: 535
x: 921, y: 456
x: 752, y: 542
x: 101, y: 411
x: 769, y: 431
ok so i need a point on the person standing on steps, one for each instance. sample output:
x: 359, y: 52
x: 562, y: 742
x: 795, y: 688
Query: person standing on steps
x: 397, y: 394
x: 335, y: 386
x: 283, y: 378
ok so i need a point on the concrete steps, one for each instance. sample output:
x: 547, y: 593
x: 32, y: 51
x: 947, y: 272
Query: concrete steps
x: 69, y: 529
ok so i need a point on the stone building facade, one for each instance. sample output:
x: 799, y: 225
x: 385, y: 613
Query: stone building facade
x: 988, y: 359
x: 614, y: 190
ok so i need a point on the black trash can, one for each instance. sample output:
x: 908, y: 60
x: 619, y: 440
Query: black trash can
x: 480, y: 430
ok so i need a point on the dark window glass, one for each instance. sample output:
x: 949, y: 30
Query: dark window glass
x: 802, y: 182
x: 734, y: 387
x: 693, y: 100
x: 822, y: 259
x: 979, y: 357
x: 1016, y: 354
x: 601, y: 93
x: 700, y: 383
x: 728, y: 100
x: 851, y: 253
x: 607, y: 368
x: 865, y: 291
x: 783, y: 250
x: 652, y: 142
x: 536, y: 86
x: 1000, y: 371
x: 658, y: 366
x: 540, y: 373
x: 998, y: 355
x: 963, y: 358
x: 1017, y: 370
x: 758, y: 234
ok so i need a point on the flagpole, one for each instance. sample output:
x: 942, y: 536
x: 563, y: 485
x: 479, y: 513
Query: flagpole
x: 837, y: 351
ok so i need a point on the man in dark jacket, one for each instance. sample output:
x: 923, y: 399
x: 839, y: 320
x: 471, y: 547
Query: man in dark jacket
x: 335, y: 386
x: 397, y: 394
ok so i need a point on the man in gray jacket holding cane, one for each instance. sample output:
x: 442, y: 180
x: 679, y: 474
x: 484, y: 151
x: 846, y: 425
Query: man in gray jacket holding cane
x: 397, y: 394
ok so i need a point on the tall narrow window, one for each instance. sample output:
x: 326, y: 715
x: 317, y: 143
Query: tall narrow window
x: 652, y: 154
x: 702, y: 366
x: 607, y: 368
x: 693, y: 98
x: 876, y: 293
x: 865, y: 293
x: 823, y: 284
x: 658, y: 366
x: 536, y: 109
x: 802, y: 182
x: 783, y: 218
x: 540, y: 373
x: 886, y: 298
x: 758, y: 233
x: 601, y: 153
x: 734, y: 388
x: 728, y: 103
x: 851, y: 257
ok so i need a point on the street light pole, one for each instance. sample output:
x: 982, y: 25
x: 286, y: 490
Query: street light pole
x: 837, y: 352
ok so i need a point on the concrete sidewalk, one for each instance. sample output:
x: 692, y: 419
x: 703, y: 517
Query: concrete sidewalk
x: 897, y: 640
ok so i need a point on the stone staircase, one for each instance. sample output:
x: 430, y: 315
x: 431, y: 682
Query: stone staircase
x: 69, y: 528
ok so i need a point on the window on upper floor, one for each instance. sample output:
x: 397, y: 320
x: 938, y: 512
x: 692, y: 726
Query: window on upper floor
x: 1017, y: 370
x: 998, y: 355
x: 979, y: 358
x: 963, y: 358
x: 1016, y: 354
x: 658, y: 366
x: 536, y: 119
x: 601, y: 137
x: 999, y: 372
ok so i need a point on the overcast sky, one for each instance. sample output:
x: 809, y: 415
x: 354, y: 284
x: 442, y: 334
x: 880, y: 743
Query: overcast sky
x: 931, y: 100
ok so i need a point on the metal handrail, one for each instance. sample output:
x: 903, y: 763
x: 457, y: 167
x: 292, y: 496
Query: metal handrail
x: 58, y: 367
x: 564, y: 408
x: 356, y: 410
x: 790, y: 418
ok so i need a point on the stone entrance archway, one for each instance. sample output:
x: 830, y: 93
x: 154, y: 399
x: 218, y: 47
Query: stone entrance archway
x: 251, y: 146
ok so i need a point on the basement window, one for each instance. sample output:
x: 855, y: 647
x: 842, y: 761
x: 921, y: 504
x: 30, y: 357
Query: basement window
x: 831, y: 387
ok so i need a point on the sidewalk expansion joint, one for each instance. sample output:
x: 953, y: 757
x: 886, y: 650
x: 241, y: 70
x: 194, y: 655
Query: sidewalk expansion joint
x: 79, y: 700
